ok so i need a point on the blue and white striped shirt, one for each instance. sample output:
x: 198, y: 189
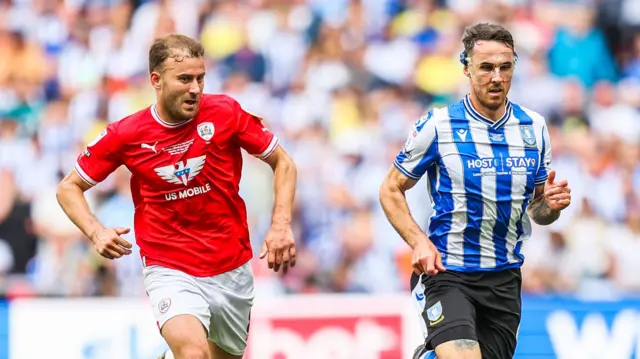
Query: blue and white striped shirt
x: 481, y: 177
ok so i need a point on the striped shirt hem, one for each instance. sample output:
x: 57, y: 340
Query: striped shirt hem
x: 500, y: 267
x: 541, y: 181
x: 404, y: 171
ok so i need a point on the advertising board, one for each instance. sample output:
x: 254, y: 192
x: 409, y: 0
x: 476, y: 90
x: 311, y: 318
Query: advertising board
x: 566, y: 328
x: 315, y: 327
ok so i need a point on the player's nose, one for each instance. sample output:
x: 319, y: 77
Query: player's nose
x: 497, y: 76
x: 195, y: 88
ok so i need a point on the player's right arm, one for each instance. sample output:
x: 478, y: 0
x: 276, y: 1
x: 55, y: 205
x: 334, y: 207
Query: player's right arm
x: 419, y: 153
x: 93, y: 166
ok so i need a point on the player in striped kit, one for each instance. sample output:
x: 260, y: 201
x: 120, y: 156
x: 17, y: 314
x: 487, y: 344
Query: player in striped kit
x: 487, y: 162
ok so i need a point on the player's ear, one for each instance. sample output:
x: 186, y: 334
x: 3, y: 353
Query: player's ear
x: 466, y: 71
x: 155, y: 78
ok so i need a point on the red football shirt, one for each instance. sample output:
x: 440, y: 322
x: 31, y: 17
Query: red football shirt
x: 185, y: 179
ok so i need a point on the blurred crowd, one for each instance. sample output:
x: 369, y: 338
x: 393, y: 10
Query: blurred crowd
x: 340, y: 82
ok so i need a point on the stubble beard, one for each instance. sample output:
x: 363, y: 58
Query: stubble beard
x: 173, y: 107
x: 486, y: 104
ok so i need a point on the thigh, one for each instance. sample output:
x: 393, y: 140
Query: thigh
x: 180, y: 310
x: 499, y: 311
x: 447, y: 313
x: 232, y: 296
x: 458, y: 349
x: 186, y: 337
x: 422, y: 353
x: 173, y: 293
x: 219, y: 353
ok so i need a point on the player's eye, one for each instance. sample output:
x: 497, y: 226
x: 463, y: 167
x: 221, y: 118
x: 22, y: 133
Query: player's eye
x: 486, y: 67
x: 200, y: 78
x: 184, y: 79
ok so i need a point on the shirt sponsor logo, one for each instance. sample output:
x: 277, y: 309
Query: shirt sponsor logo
x: 189, y: 192
x: 502, y: 165
x: 182, y: 172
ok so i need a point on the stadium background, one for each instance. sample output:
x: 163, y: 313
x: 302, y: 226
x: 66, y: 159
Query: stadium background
x: 340, y: 82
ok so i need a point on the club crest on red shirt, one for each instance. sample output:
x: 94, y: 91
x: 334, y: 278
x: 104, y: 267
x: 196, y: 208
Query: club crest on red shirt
x: 206, y: 130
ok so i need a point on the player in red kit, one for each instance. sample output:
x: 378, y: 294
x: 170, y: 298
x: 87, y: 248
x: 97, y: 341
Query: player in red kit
x: 185, y: 157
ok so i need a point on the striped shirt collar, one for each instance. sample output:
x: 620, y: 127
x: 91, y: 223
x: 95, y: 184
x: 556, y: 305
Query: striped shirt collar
x: 156, y: 116
x: 479, y: 117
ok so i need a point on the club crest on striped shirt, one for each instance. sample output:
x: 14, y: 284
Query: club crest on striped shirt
x: 529, y: 138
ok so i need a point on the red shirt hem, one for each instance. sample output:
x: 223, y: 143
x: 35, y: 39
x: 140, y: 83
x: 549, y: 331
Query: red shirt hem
x: 147, y: 261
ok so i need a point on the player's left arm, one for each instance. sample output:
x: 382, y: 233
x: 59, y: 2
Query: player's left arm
x: 285, y: 178
x: 255, y: 138
x: 279, y: 244
x: 550, y: 197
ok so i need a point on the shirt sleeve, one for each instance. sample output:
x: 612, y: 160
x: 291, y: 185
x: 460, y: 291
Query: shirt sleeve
x: 420, y: 150
x: 100, y: 158
x: 545, y: 157
x: 252, y: 135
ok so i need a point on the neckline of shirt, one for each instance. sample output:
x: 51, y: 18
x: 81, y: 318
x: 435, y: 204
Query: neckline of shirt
x: 468, y: 105
x: 156, y: 116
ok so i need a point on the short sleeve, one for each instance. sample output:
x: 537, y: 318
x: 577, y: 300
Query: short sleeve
x: 545, y: 157
x: 252, y: 135
x: 421, y: 148
x: 100, y: 158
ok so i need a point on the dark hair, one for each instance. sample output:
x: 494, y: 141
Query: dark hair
x: 172, y: 46
x: 485, y: 32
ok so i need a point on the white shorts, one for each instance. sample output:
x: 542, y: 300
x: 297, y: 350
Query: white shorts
x: 222, y: 302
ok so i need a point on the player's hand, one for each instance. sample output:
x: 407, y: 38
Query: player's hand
x: 109, y: 244
x: 426, y: 258
x: 279, y: 248
x: 557, y: 194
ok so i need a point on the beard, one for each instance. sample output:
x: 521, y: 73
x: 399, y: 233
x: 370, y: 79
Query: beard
x: 174, y: 107
x: 485, y: 102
